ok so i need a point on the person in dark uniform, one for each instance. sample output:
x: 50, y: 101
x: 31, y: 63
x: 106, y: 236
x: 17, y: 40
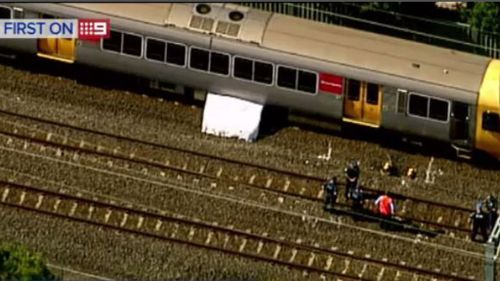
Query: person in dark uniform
x: 352, y: 173
x: 330, y: 188
x: 479, y: 222
x: 492, y: 208
x: 357, y: 198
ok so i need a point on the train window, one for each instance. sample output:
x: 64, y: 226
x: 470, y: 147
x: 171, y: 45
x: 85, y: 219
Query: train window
x: 219, y: 63
x: 18, y: 13
x: 176, y: 54
x: 372, y: 94
x: 287, y: 77
x: 47, y: 16
x: 114, y: 42
x: 155, y: 50
x: 353, y: 90
x: 243, y: 68
x: 199, y: 59
x: 460, y: 111
x: 418, y: 105
x: 132, y: 45
x: 491, y: 121
x: 307, y: 82
x: 438, y: 109
x: 5, y: 13
x: 401, y: 101
x: 263, y: 72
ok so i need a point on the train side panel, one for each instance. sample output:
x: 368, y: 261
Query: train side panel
x: 11, y: 46
x: 449, y: 115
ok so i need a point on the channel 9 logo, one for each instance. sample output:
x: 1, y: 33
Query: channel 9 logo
x: 93, y: 29
x: 83, y: 29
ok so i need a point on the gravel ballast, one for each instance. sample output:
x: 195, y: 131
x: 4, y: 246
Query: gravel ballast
x: 377, y: 245
x: 122, y: 256
x: 149, y: 119
x: 122, y: 113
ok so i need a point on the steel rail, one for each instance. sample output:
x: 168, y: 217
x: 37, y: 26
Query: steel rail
x: 26, y: 200
x: 97, y: 150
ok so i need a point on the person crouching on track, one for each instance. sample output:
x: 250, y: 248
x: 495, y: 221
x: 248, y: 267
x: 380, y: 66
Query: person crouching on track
x: 479, y: 222
x: 386, y: 209
x: 385, y: 205
x: 330, y: 193
x: 352, y: 173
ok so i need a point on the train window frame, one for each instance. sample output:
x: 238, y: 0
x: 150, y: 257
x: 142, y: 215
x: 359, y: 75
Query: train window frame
x: 369, y: 101
x: 228, y: 63
x: 11, y: 13
x: 401, y: 108
x: 18, y: 13
x: 47, y: 16
x: 485, y: 127
x: 299, y: 71
x: 272, y: 72
x: 142, y: 45
x: 252, y: 80
x: 278, y: 77
x: 409, y: 105
x: 234, y: 66
x: 191, y: 57
x: 429, y: 98
x: 448, y: 108
x: 186, y: 49
x: 121, y: 42
x: 147, y: 38
x: 347, y: 89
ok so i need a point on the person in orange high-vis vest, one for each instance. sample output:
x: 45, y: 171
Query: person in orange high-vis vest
x: 385, y: 205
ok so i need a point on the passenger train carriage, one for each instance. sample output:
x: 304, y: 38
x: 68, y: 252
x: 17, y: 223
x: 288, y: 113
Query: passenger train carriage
x: 336, y: 72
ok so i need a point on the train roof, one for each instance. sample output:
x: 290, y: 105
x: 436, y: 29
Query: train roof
x: 317, y: 40
x: 183, y: 15
x: 376, y: 52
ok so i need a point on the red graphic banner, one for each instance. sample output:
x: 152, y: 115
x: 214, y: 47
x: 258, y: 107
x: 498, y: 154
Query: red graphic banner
x: 331, y: 83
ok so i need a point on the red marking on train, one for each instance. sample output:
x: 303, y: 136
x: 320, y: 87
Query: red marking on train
x: 331, y: 83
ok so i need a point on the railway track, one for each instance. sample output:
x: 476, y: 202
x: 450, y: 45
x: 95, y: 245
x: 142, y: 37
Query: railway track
x: 311, y: 222
x: 326, y: 263
x: 454, y: 220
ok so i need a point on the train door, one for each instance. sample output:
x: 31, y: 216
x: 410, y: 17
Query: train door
x: 460, y: 122
x: 61, y: 49
x: 352, y: 100
x: 363, y: 103
x: 372, y: 104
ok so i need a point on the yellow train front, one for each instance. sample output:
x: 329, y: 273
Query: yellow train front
x: 338, y: 74
x: 487, y: 133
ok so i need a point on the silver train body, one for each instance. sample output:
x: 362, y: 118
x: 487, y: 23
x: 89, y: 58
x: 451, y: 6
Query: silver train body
x: 347, y: 75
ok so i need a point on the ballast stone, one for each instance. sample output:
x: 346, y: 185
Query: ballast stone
x: 231, y: 117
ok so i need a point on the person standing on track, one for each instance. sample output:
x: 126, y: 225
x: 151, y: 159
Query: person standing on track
x: 492, y: 208
x: 357, y: 198
x: 352, y: 173
x: 330, y: 193
x: 479, y: 222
